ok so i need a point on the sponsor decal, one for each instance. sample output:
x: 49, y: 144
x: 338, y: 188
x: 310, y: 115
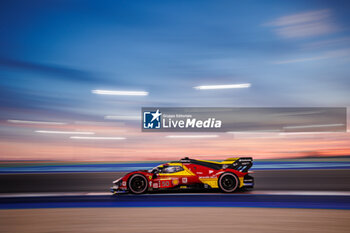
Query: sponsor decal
x: 124, y: 183
x: 155, y: 185
x: 175, y: 181
x: 184, y: 180
x: 245, y: 160
x: 211, y: 171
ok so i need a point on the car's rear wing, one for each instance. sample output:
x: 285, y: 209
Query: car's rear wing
x: 242, y: 164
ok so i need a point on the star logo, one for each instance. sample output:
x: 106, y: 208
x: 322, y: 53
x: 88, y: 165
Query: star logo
x: 156, y: 115
x: 152, y: 119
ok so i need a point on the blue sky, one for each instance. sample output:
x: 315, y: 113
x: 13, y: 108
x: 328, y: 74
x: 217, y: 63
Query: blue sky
x: 53, y: 53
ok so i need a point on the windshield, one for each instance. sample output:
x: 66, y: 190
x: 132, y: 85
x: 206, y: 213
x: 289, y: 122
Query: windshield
x: 171, y: 169
x: 154, y: 170
x: 166, y: 169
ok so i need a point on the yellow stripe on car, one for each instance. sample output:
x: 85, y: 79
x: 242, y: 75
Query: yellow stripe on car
x: 227, y: 161
x: 241, y: 182
x: 185, y: 172
x: 212, y: 182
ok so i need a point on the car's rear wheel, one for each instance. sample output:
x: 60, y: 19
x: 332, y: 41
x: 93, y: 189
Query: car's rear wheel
x: 228, y: 182
x: 138, y: 184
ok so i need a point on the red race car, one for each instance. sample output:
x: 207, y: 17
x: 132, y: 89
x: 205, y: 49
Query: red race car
x: 228, y: 176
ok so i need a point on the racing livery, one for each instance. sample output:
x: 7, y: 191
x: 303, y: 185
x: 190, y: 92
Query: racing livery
x: 228, y: 176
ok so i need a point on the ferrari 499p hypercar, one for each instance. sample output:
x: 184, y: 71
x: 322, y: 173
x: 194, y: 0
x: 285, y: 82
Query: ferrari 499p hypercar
x: 228, y: 176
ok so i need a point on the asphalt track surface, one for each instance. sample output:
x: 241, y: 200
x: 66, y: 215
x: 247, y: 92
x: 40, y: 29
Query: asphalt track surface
x: 179, y: 200
x: 40, y: 203
x: 170, y: 220
x: 307, y: 180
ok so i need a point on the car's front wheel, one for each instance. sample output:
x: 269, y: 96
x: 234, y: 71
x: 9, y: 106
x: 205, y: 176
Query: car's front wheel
x: 228, y: 182
x: 138, y: 184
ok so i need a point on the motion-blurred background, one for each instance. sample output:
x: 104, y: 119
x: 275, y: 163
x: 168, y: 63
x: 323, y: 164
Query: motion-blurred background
x: 74, y: 75
x: 58, y: 57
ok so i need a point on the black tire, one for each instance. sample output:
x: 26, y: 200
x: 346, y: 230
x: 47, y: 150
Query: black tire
x: 137, y: 184
x: 228, y: 182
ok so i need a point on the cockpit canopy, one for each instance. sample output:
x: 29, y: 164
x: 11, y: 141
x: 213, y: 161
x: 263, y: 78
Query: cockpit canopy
x: 167, y: 169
